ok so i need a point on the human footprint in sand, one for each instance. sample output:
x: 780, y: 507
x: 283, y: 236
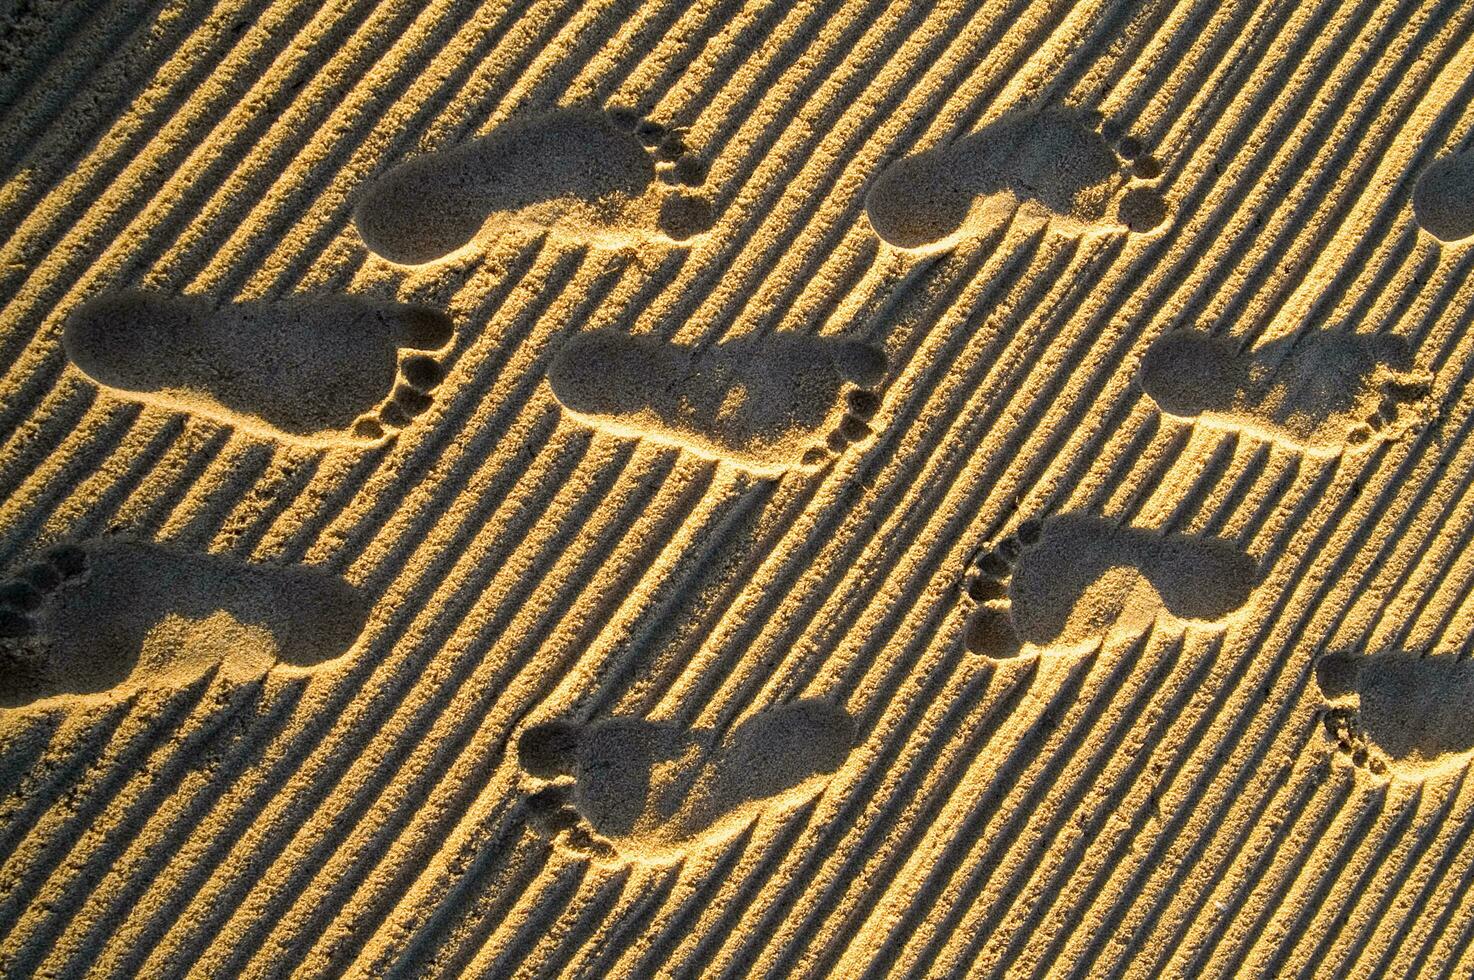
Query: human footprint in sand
x: 1443, y: 198
x: 117, y: 616
x: 640, y: 790
x: 1399, y: 713
x: 1070, y: 583
x: 328, y: 370
x: 767, y: 405
x: 1054, y: 167
x: 1322, y: 393
x: 607, y: 179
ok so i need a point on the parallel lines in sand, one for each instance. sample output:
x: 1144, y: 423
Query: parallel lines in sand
x: 810, y: 619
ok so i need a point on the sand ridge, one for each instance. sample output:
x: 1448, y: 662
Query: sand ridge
x: 720, y: 336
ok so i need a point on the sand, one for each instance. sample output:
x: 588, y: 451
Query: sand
x: 723, y: 489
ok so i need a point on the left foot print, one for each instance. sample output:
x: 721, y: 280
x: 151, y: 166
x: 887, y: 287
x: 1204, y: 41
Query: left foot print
x: 1054, y: 167
x: 766, y: 405
x: 1399, y: 713
x: 115, y: 616
x: 1329, y: 392
x: 321, y: 371
x: 635, y: 789
x: 1070, y: 583
x: 1443, y: 198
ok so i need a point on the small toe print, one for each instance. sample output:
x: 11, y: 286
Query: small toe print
x: 13, y: 624
x: 412, y: 401
x: 854, y: 429
x: 43, y: 577
x: 863, y: 404
x: 671, y: 148
x: 1142, y: 210
x: 992, y: 564
x: 990, y: 633
x: 21, y: 595
x: 421, y: 371
x: 368, y: 428
x: 649, y: 132
x: 1129, y: 147
x: 982, y: 589
x: 70, y: 560
x: 684, y: 216
x: 427, y: 328
x: 690, y: 170
x: 836, y: 441
x: 1147, y: 167
x: 391, y: 414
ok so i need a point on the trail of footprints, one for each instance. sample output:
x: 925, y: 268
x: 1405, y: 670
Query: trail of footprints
x: 111, y: 617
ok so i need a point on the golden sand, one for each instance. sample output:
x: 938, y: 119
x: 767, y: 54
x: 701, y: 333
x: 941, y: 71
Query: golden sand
x: 605, y: 489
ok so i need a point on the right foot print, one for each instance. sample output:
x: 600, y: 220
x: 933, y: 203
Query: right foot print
x: 1050, y: 167
x: 117, y: 616
x: 1330, y: 392
x: 605, y: 179
x: 1401, y: 713
x: 320, y: 371
x: 1070, y: 583
x: 767, y: 405
x: 624, y: 787
x: 1443, y: 198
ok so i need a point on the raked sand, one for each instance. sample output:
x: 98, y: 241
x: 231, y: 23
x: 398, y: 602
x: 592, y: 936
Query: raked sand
x: 714, y: 489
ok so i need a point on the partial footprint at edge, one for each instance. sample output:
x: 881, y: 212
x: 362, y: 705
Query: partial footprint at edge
x: 1330, y: 391
x: 1399, y: 712
x: 1443, y: 198
x: 625, y: 787
x: 605, y: 179
x: 766, y: 405
x: 1070, y: 583
x: 116, y: 616
x: 319, y: 371
x: 1053, y: 167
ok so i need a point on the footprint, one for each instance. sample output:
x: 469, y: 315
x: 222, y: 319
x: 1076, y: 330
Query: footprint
x: 1443, y: 198
x: 319, y: 371
x: 117, y: 616
x: 605, y: 179
x: 1399, y: 713
x: 1070, y: 583
x: 1324, y: 393
x: 1053, y: 167
x: 767, y: 405
x: 639, y: 790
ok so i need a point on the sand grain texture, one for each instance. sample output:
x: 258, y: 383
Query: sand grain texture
x: 715, y: 489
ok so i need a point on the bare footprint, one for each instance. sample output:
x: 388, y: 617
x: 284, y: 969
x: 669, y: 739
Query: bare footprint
x: 117, y: 616
x: 1053, y: 167
x: 1399, y: 713
x: 605, y: 179
x: 634, y: 789
x: 767, y: 405
x: 1068, y: 584
x: 320, y: 371
x: 1443, y: 198
x: 1323, y: 393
